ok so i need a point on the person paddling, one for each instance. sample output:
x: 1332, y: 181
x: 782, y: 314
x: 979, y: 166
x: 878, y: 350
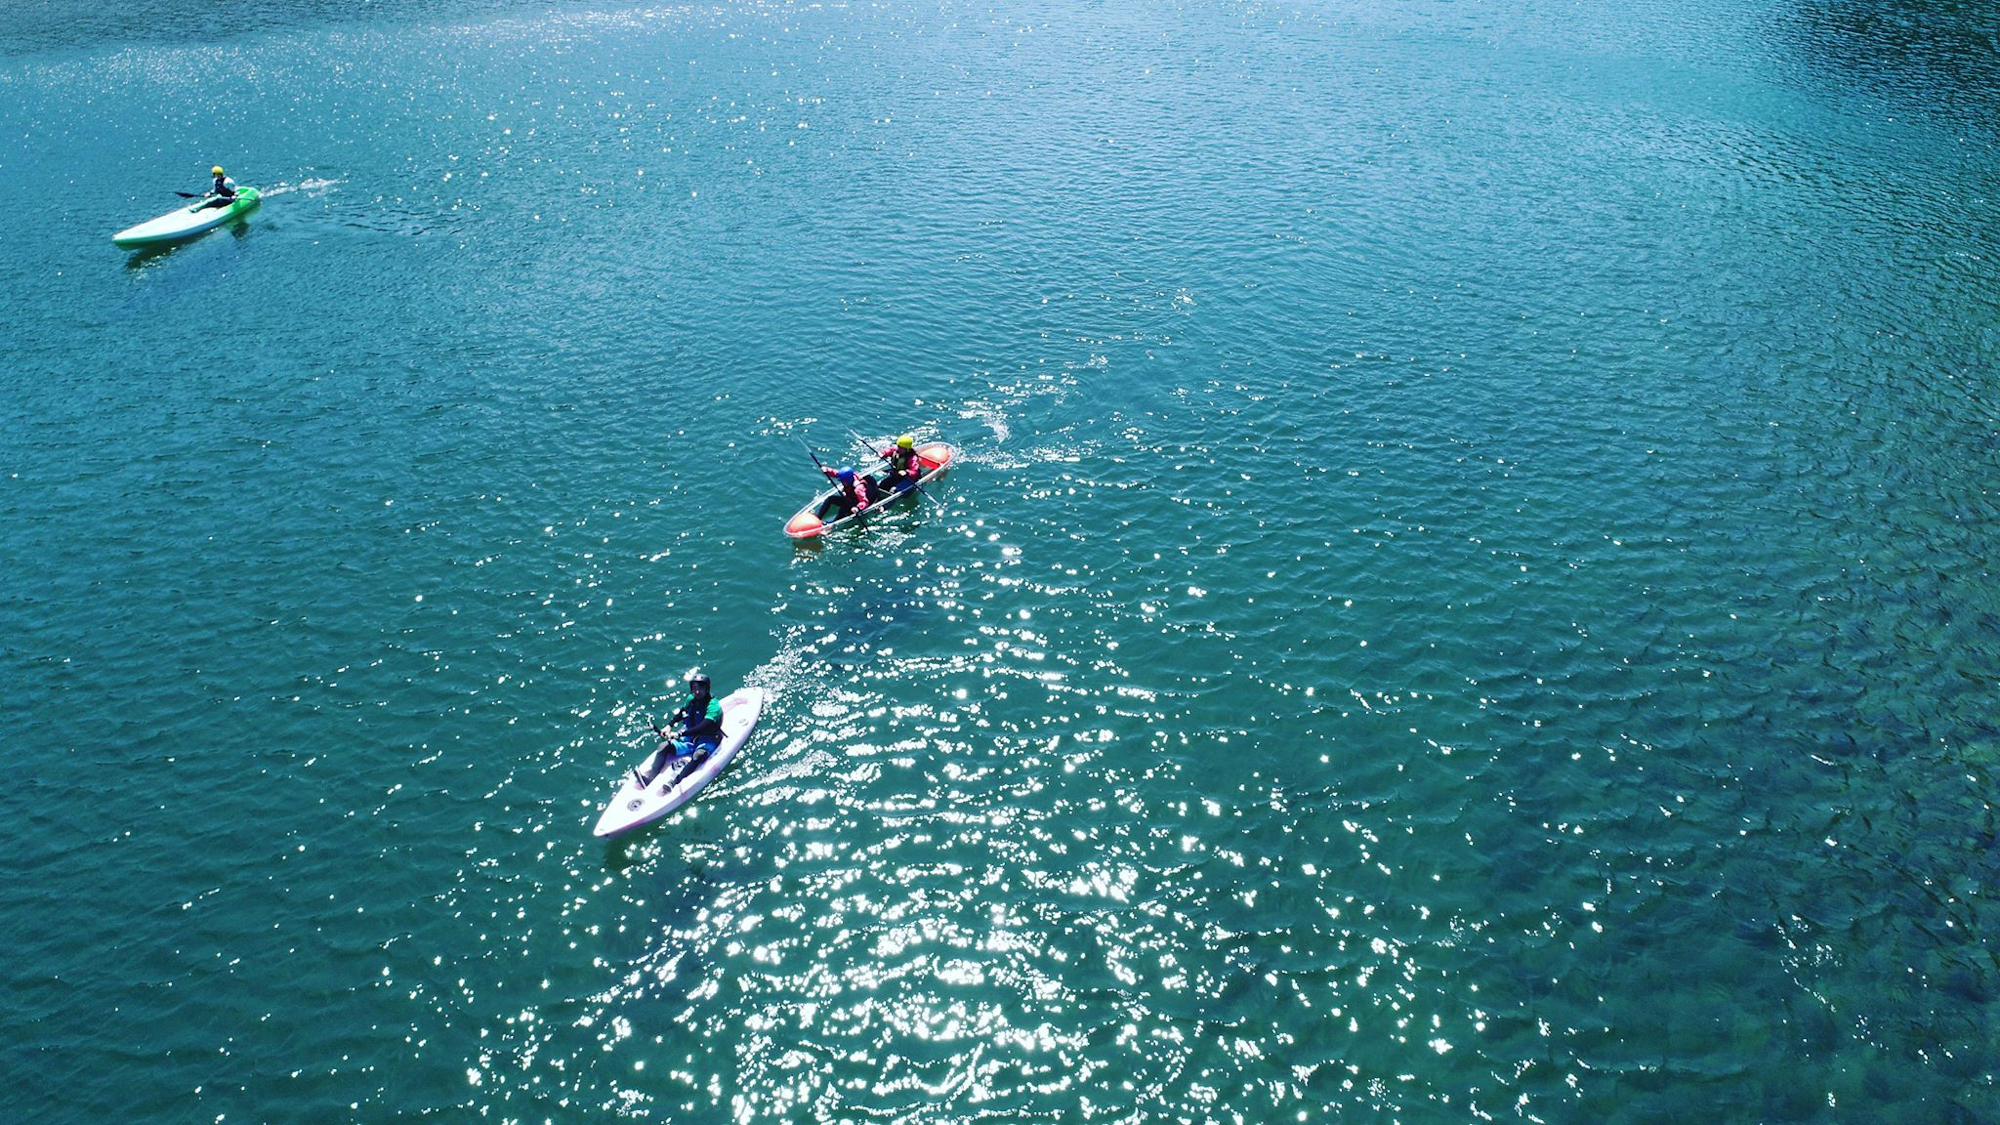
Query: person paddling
x: 904, y: 466
x: 852, y: 497
x: 223, y: 193
x: 700, y: 722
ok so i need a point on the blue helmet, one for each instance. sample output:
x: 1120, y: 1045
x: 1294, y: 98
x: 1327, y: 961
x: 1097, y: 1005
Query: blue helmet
x: 845, y: 475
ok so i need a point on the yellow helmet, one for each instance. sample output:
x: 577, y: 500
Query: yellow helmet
x: 215, y: 171
x: 906, y: 442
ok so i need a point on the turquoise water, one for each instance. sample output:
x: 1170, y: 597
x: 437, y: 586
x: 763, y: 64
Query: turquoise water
x: 1468, y: 595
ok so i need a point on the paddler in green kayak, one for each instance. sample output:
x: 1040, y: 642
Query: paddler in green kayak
x: 700, y: 723
x: 223, y: 193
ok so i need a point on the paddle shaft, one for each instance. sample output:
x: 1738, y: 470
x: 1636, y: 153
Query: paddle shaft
x: 811, y: 454
x: 870, y: 447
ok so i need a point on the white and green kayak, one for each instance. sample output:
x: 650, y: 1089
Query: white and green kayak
x: 186, y: 222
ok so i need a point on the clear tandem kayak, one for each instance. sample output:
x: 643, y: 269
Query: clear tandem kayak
x: 638, y: 804
x: 813, y: 519
x: 186, y: 222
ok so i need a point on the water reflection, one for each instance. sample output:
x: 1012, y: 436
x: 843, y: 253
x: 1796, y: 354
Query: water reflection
x: 1938, y: 57
x: 53, y: 25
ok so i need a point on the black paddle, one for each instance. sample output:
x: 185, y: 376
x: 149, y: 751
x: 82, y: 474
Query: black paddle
x: 811, y: 454
x: 822, y: 468
x: 641, y: 778
x: 190, y: 195
x: 870, y: 447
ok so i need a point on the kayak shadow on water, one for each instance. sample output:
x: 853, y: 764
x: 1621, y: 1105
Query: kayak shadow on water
x: 651, y: 843
x: 143, y: 256
x: 146, y: 255
x: 627, y: 851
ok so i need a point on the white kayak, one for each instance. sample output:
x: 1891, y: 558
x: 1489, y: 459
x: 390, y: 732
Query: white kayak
x: 638, y: 804
x: 186, y: 222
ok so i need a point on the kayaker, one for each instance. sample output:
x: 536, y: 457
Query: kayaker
x: 904, y: 467
x: 700, y: 723
x: 224, y: 191
x: 852, y: 497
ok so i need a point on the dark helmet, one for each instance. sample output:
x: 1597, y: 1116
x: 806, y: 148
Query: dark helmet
x: 698, y: 683
x: 845, y: 475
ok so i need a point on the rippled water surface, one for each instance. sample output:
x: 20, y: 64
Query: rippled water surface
x: 1467, y: 596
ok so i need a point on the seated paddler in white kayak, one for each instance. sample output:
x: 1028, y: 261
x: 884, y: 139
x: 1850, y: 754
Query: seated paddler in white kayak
x: 700, y: 731
x: 222, y: 193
